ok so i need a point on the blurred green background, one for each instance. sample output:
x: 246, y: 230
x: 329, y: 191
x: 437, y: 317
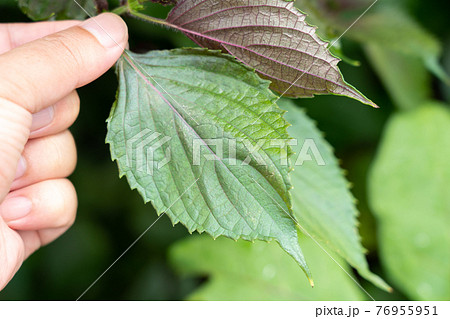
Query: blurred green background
x: 396, y: 56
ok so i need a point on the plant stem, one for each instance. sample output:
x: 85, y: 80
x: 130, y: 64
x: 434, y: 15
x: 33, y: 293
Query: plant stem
x: 147, y: 18
x: 120, y: 10
x: 129, y: 9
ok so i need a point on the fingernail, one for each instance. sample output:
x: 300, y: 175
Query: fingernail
x: 21, y: 168
x: 108, y: 28
x: 16, y: 208
x: 42, y: 118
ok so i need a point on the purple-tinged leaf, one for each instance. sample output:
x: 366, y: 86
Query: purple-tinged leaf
x: 272, y: 37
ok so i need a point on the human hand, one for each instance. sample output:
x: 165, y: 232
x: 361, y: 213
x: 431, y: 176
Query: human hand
x: 41, y: 65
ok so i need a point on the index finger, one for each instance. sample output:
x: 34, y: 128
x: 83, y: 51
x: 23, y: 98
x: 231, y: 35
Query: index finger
x: 13, y: 35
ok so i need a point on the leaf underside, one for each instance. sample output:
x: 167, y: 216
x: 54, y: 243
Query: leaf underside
x: 211, y: 97
x: 270, y: 36
x: 321, y: 199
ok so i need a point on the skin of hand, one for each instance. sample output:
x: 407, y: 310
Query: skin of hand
x: 41, y: 66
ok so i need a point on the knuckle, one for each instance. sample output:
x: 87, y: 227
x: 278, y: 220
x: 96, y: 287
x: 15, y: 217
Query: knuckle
x: 66, y: 49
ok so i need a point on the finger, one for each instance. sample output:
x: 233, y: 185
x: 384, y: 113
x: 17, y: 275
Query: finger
x: 52, y: 67
x: 35, y: 239
x: 50, y: 215
x: 12, y: 253
x: 13, y: 35
x: 57, y: 118
x: 47, y: 205
x: 41, y: 73
x: 49, y: 157
x: 46, y: 122
x: 14, y: 132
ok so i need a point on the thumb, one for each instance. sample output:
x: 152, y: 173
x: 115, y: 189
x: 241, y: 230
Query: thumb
x: 40, y: 73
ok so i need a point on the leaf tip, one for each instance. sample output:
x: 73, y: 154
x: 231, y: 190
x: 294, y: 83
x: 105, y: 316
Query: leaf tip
x: 375, y: 106
x: 366, y: 101
x: 375, y: 280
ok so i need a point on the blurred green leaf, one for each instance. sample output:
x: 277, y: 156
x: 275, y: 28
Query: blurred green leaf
x: 59, y: 9
x: 404, y: 76
x: 260, y: 271
x: 318, y: 17
x: 393, y: 29
x: 321, y: 198
x: 332, y: 17
x: 409, y: 192
x: 235, y: 193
